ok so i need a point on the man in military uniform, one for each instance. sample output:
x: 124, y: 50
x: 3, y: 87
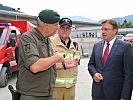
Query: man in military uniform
x: 66, y: 77
x: 37, y: 72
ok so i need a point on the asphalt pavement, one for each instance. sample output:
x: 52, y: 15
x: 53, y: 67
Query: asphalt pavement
x: 83, y: 87
x: 84, y: 82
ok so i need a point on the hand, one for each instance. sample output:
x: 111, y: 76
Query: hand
x: 60, y: 56
x: 122, y: 99
x: 72, y: 63
x: 97, y: 77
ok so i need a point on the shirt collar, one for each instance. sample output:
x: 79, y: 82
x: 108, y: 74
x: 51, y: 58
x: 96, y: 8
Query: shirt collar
x: 112, y: 41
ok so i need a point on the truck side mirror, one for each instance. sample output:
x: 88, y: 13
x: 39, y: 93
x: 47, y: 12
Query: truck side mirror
x: 12, y: 40
x: 12, y: 35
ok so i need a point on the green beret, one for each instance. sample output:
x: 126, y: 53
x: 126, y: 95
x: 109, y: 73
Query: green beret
x: 49, y: 16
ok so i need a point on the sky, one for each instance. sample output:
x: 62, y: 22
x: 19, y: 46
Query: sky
x: 93, y: 9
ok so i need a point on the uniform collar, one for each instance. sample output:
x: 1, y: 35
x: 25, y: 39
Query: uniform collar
x: 68, y: 43
x: 59, y: 43
x: 40, y: 36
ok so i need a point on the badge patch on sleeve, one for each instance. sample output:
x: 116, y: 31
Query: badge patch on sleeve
x: 27, y: 47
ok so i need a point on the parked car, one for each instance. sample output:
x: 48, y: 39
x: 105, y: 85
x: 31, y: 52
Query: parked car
x: 127, y: 36
x: 119, y: 36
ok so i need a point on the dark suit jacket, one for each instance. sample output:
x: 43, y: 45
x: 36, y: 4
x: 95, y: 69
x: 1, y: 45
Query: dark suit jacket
x: 117, y: 72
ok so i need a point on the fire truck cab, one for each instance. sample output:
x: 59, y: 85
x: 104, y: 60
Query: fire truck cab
x: 9, y: 39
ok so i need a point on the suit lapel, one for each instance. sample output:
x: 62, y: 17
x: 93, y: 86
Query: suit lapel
x: 101, y: 52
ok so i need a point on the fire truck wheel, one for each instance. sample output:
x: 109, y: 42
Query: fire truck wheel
x: 3, y: 77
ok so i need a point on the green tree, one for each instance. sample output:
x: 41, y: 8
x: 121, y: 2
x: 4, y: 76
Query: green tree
x: 130, y: 25
x: 125, y: 24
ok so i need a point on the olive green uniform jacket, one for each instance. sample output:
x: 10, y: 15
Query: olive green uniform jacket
x: 33, y: 46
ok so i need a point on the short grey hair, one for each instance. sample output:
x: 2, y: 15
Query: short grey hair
x: 39, y: 22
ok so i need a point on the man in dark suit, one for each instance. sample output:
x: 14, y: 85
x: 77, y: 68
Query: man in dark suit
x: 111, y: 65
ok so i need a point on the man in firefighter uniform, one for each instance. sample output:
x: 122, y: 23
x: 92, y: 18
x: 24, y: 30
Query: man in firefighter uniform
x: 66, y: 77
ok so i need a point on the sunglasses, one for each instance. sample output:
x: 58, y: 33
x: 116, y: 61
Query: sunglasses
x: 65, y: 20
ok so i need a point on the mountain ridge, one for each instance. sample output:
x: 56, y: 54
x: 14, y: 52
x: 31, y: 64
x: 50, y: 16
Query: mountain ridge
x: 81, y: 18
x: 120, y: 20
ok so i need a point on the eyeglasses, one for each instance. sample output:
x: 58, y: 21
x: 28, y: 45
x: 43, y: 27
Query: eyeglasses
x: 65, y: 28
x: 106, y: 29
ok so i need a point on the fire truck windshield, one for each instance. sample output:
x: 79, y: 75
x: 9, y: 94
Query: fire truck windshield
x: 3, y: 33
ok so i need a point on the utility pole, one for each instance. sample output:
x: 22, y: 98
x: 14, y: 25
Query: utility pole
x: 16, y: 10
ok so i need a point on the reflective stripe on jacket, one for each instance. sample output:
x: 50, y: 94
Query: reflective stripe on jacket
x: 66, y: 80
x: 72, y: 55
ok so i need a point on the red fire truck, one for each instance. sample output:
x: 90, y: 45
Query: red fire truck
x: 10, y: 32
